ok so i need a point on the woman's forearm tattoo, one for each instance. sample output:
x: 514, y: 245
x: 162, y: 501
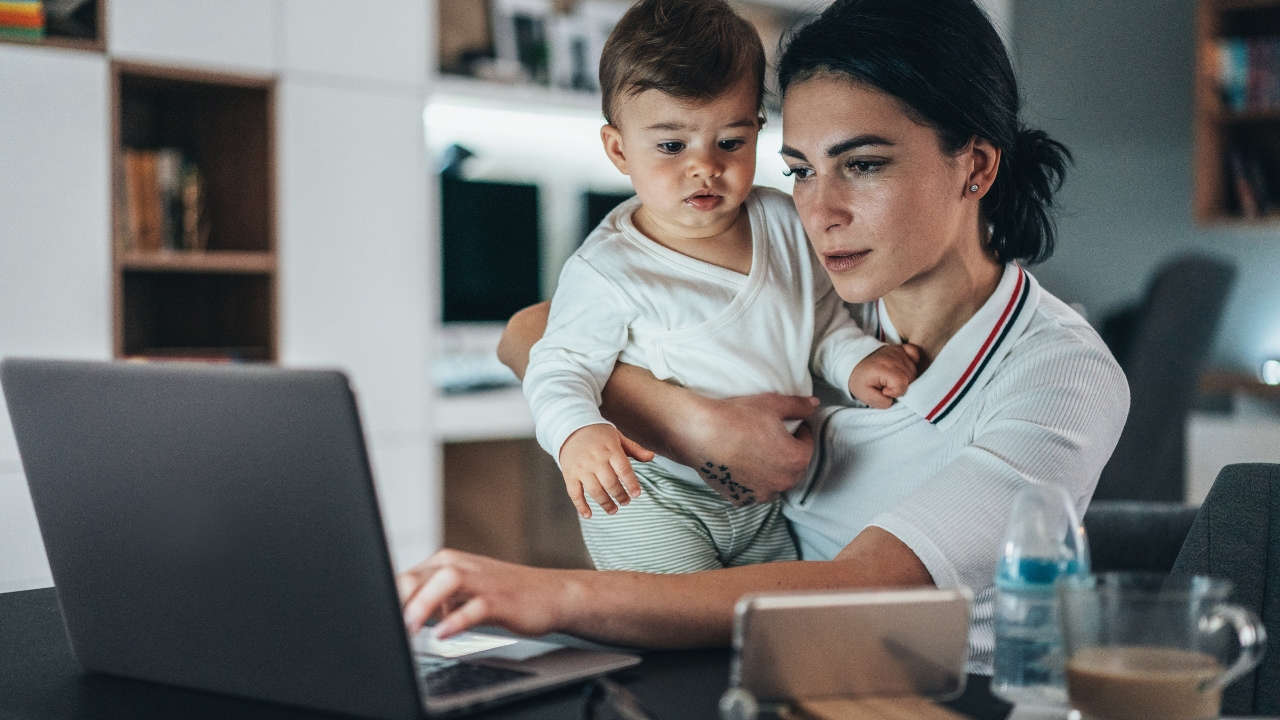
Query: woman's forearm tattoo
x: 715, y: 474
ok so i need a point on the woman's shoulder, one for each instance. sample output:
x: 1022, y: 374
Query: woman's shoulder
x: 1059, y: 349
x: 1057, y: 327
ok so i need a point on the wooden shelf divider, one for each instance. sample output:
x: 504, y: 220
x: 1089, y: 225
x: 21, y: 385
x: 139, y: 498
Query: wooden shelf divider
x: 213, y: 261
x: 1221, y: 131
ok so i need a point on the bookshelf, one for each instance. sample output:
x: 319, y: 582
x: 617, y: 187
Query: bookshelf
x: 1237, y: 133
x: 214, y: 299
x: 82, y: 29
x: 469, y: 60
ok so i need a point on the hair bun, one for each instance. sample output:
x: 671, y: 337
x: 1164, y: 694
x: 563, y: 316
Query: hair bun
x: 1020, y: 203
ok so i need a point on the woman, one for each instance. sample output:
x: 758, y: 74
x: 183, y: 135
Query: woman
x: 920, y: 191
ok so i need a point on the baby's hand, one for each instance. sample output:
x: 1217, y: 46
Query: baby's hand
x: 884, y: 375
x: 594, y: 462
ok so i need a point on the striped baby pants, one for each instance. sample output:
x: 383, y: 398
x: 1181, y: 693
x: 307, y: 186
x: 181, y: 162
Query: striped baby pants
x: 678, y: 527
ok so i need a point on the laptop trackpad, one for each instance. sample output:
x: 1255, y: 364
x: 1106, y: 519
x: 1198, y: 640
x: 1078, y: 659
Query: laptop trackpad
x: 473, y: 645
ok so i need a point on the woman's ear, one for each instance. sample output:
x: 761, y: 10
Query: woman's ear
x: 984, y: 161
x: 611, y: 136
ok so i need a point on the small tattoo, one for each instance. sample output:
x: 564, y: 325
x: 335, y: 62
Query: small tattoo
x: 739, y: 493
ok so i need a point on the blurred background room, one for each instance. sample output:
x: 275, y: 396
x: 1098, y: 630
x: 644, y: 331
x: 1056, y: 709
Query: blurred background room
x: 377, y: 185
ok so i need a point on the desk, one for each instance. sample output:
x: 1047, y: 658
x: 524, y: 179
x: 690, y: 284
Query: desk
x: 39, y: 680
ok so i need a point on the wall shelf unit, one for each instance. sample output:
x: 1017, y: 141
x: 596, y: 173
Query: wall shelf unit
x: 468, y: 50
x: 217, y: 302
x: 83, y: 29
x: 1237, y: 123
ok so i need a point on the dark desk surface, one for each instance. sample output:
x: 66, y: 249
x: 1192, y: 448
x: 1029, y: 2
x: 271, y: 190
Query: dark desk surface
x: 39, y: 680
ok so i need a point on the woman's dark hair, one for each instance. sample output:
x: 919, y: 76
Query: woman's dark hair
x: 944, y: 60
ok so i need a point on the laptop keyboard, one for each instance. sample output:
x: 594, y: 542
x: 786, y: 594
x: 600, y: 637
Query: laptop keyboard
x: 443, y: 676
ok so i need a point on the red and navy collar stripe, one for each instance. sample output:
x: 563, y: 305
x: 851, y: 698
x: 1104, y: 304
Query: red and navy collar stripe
x: 979, y: 363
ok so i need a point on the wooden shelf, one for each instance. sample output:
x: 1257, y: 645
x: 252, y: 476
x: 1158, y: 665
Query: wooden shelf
x: 56, y: 41
x: 202, y: 354
x: 1225, y: 382
x: 1251, y: 117
x: 214, y: 261
x: 98, y: 43
x: 218, y: 303
x: 1219, y: 131
x: 466, y: 30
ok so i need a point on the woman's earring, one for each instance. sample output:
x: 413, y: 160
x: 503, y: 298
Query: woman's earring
x: 974, y: 188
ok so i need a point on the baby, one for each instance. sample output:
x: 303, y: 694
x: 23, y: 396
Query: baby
x: 702, y: 279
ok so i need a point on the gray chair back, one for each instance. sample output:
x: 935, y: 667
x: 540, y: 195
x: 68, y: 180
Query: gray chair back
x: 1136, y: 536
x: 1162, y: 352
x: 1236, y: 536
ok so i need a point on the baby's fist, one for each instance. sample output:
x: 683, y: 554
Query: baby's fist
x: 884, y: 375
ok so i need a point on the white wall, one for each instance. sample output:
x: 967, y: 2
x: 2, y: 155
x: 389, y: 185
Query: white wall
x: 357, y: 262
x: 1115, y: 82
x: 358, y: 273
x: 55, y: 292
x: 1001, y: 14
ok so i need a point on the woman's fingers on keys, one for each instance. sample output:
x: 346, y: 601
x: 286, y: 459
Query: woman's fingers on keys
x: 627, y: 476
x: 473, y: 612
x: 442, y: 585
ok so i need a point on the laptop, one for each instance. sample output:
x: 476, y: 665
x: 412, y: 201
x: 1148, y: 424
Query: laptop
x: 217, y: 528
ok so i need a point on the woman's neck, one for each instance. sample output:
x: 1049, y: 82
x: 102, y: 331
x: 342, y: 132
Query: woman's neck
x: 931, y: 307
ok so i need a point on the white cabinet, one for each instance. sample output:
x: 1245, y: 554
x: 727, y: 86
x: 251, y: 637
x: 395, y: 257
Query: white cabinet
x: 55, y: 260
x: 357, y: 267
x: 358, y: 288
x: 371, y: 40
x: 235, y: 35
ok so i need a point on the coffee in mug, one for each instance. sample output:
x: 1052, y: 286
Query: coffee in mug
x: 1136, y: 682
x: 1146, y: 647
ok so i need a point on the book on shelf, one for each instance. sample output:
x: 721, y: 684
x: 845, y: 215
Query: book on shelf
x: 1252, y: 181
x: 22, y: 19
x: 164, y: 202
x: 1248, y: 73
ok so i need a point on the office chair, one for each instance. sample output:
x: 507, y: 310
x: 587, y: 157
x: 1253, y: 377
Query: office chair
x: 1236, y: 536
x: 1136, y: 536
x: 1162, y: 346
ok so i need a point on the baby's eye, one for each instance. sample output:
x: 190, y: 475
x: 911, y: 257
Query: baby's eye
x: 732, y: 144
x: 671, y: 147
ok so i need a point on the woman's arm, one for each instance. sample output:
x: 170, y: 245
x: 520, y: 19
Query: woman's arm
x: 633, y: 609
x: 746, y: 435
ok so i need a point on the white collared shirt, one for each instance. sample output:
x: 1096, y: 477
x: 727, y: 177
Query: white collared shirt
x: 1025, y: 391
x: 720, y: 333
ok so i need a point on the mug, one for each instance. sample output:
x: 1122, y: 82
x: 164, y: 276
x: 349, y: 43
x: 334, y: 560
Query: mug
x: 1141, y: 646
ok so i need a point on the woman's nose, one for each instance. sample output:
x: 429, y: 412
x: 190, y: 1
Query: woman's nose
x: 826, y: 206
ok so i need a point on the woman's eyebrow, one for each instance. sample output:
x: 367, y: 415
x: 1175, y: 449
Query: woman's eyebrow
x: 853, y: 143
x: 839, y: 148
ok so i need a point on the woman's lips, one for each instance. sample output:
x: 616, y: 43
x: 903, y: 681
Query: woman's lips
x: 704, y: 201
x: 841, y: 262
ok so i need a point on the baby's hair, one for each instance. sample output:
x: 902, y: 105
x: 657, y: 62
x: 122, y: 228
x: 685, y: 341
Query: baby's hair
x: 688, y: 49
